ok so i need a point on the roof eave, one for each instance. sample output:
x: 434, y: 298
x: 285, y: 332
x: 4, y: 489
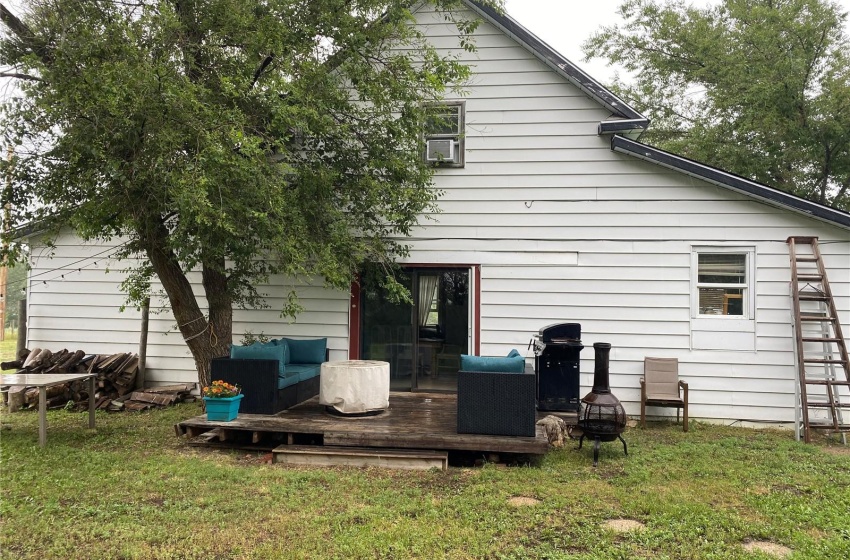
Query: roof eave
x: 730, y: 181
x: 630, y: 128
x: 557, y: 62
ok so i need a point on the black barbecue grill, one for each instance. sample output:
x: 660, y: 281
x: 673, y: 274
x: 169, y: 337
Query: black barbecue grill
x: 556, y: 365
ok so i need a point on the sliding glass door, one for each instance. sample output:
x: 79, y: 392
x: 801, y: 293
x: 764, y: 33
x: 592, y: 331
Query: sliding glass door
x: 422, y: 341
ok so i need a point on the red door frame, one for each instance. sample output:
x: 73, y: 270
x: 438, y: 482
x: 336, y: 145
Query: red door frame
x: 354, y: 309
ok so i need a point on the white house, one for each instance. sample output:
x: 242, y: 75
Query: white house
x: 553, y: 212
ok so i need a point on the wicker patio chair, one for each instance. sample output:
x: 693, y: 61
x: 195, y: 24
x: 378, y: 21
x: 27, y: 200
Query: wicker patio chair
x: 496, y: 403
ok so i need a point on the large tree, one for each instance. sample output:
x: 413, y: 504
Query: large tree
x: 758, y: 87
x: 234, y: 138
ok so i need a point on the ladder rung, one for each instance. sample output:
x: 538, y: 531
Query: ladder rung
x: 809, y: 277
x: 816, y: 318
x: 813, y: 297
x: 806, y: 259
x: 827, y: 382
x: 817, y: 361
x: 825, y: 426
x: 813, y: 339
x: 827, y: 405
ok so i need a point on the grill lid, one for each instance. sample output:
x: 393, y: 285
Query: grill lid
x: 560, y: 332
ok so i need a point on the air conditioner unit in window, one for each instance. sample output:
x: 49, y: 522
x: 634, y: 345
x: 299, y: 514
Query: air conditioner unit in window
x: 440, y: 150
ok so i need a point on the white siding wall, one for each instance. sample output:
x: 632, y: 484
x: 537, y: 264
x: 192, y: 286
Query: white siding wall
x: 538, y: 180
x: 81, y: 309
x: 564, y: 229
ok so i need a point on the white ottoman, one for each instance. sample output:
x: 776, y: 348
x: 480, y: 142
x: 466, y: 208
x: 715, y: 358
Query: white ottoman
x: 355, y: 386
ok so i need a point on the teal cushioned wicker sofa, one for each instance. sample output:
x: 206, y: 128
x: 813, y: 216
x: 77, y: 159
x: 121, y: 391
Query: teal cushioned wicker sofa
x: 273, y: 376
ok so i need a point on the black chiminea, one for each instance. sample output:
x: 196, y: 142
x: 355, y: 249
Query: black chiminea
x: 604, y: 418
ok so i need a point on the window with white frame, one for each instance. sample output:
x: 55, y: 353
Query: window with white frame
x: 723, y: 286
x: 444, y: 131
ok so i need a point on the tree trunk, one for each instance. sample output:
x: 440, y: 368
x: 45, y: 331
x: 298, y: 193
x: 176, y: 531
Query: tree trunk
x: 220, y: 309
x: 206, y: 337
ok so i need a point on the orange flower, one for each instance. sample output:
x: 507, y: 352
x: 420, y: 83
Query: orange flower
x: 221, y: 390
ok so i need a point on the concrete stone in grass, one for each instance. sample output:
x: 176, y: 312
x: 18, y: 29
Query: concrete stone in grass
x: 623, y: 525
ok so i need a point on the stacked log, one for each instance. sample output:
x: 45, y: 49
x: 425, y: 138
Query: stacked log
x: 114, y: 382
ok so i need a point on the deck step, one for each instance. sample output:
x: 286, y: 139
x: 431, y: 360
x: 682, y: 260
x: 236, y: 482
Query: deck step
x: 333, y: 455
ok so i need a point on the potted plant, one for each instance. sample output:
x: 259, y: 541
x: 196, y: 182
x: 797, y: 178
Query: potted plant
x: 222, y: 401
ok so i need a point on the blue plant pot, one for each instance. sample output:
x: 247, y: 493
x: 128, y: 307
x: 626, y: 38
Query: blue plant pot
x: 222, y: 410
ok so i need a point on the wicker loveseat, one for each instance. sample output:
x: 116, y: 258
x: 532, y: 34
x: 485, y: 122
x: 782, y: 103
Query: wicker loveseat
x: 496, y: 402
x: 272, y: 384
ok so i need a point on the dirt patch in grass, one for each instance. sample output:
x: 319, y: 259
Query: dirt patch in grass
x: 611, y: 473
x: 523, y: 501
x: 791, y: 489
x: 767, y: 547
x: 623, y: 525
x: 257, y: 458
x: 841, y: 450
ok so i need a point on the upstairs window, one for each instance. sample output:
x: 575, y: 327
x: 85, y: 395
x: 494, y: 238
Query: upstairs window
x: 444, y: 131
x: 722, y: 284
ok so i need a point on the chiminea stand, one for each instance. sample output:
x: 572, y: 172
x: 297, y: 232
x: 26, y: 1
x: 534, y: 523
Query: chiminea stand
x: 598, y: 438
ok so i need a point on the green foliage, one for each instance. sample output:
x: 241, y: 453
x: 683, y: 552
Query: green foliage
x: 250, y: 338
x: 131, y: 489
x: 222, y: 126
x: 238, y: 139
x: 758, y: 87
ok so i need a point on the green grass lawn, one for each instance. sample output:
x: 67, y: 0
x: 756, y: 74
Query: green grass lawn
x: 8, y: 346
x: 132, y: 489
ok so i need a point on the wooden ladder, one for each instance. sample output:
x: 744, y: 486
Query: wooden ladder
x: 820, y: 349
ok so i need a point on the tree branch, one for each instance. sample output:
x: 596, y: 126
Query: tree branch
x: 14, y: 24
x: 24, y: 34
x: 20, y: 76
x: 259, y: 71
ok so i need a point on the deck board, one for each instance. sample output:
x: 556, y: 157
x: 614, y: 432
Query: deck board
x: 413, y: 421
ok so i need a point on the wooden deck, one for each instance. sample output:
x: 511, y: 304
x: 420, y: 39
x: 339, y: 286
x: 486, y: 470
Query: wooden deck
x: 426, y: 421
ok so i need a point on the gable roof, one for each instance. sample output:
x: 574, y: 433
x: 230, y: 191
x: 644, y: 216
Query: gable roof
x: 625, y: 119
x: 627, y: 124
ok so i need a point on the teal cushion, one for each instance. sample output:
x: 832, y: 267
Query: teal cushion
x: 307, y: 351
x: 282, y: 342
x: 261, y: 352
x: 283, y: 382
x: 304, y: 371
x: 512, y: 364
x: 275, y: 344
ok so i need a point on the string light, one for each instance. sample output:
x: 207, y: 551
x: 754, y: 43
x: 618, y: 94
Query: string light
x: 23, y: 281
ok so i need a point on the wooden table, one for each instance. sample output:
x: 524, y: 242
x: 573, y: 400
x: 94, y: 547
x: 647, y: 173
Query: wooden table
x: 43, y: 381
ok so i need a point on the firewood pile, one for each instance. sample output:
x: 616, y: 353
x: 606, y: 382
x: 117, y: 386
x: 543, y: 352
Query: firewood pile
x: 115, y: 382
